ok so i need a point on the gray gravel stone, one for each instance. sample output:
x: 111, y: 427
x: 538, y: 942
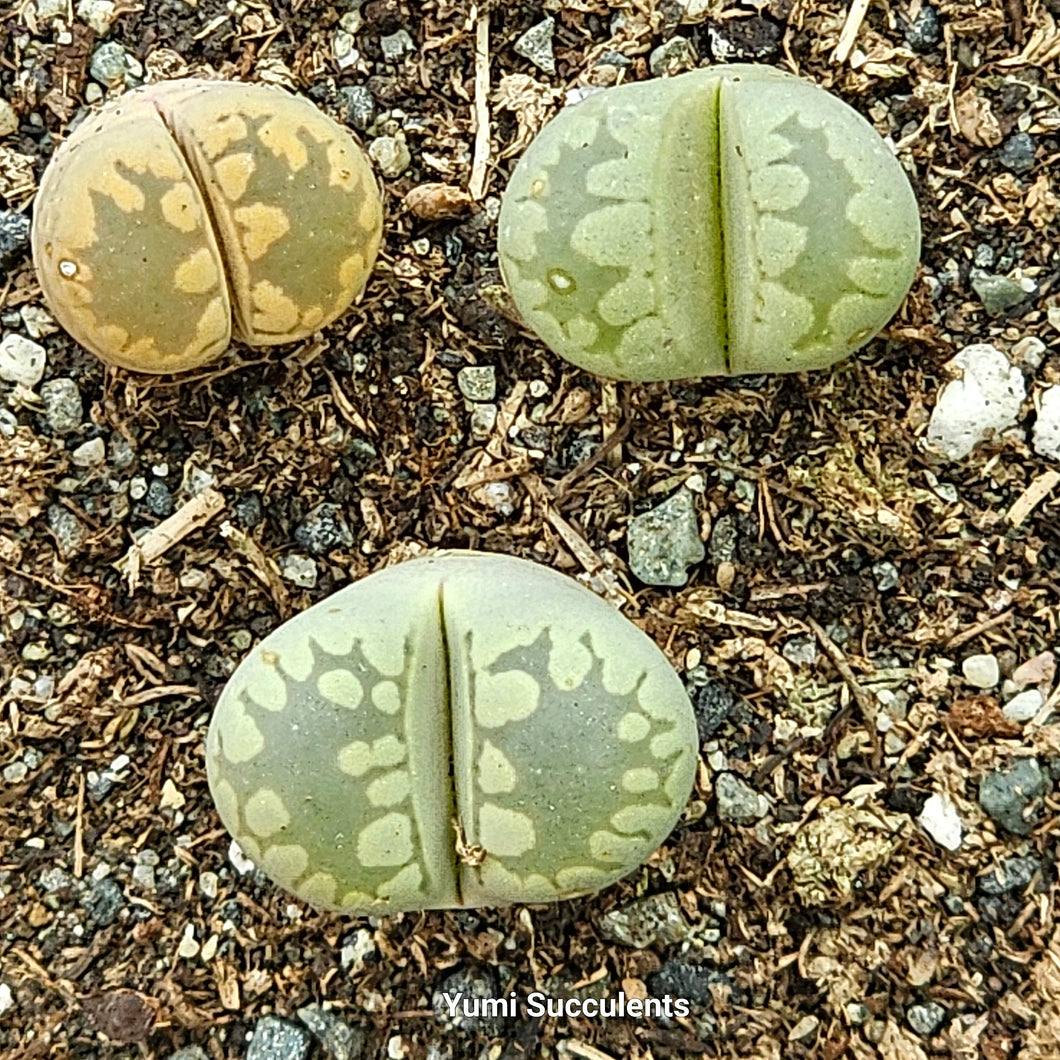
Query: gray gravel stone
x: 536, y: 45
x: 737, y: 801
x: 337, y: 1038
x: 69, y: 531
x: 397, y: 45
x: 1007, y: 793
x: 664, y: 542
x: 248, y: 510
x: 158, y: 499
x: 473, y: 984
x: 324, y: 529
x: 278, y: 1039
x: 927, y: 1018
x: 111, y: 64
x: 478, y: 382
x: 712, y: 701
x: 190, y: 1052
x: 391, y: 154
x: 360, y: 106
x: 63, y: 408
x: 655, y: 919
x: 21, y: 360
x: 673, y: 57
x: 89, y: 454
x: 1017, y: 152
x: 103, y: 901
x: 997, y: 293
x: 723, y: 539
x: 886, y: 574
x: 14, y: 238
x: 923, y: 32
x: 1011, y: 875
x: 299, y: 570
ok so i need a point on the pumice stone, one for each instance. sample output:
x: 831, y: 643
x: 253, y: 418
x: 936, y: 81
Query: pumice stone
x: 463, y: 729
x: 189, y: 211
x: 726, y: 221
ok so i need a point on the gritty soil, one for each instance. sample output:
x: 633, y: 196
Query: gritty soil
x: 849, y: 573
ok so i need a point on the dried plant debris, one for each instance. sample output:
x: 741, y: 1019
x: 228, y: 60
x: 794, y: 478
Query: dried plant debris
x: 867, y: 865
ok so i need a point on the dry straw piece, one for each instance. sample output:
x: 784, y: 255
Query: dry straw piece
x: 189, y: 211
x: 464, y: 729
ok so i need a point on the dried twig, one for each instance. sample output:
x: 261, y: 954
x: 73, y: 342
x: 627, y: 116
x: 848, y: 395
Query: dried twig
x: 477, y: 184
x: 855, y: 16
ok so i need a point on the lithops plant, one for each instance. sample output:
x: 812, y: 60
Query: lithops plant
x: 463, y: 729
x: 189, y: 211
x: 729, y: 220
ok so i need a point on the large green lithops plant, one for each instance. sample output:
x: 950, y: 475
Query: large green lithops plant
x: 459, y: 730
x: 726, y: 221
x: 191, y: 210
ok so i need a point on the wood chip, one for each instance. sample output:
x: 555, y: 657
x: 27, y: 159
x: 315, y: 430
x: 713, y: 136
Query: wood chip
x: 477, y: 183
x: 1032, y: 496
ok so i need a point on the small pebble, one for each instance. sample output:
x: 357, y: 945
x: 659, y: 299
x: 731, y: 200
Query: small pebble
x: 16, y: 772
x: 70, y: 533
x: 800, y: 651
x: 664, y: 542
x: 159, y: 499
x: 1017, y: 152
x: 673, y: 57
x: 737, y: 801
x: 997, y: 293
x: 14, y: 239
x: 474, y: 984
x: 338, y: 1040
x: 63, y: 408
x: 360, y: 106
x: 656, y: 919
x: 278, y: 1039
x: 89, y: 454
x: 923, y: 33
x: 97, y: 14
x: 1046, y: 435
x: 939, y: 818
x: 1007, y: 794
x: 982, y: 671
x: 805, y: 1029
x: 1024, y: 706
x: 886, y: 574
x: 323, y: 530
x: 240, y: 862
x: 356, y: 949
x: 397, y: 45
x: 1041, y: 669
x: 21, y: 360
x: 299, y: 570
x: 391, y: 154
x: 926, y: 1019
x: 1013, y: 874
x: 112, y: 65
x: 536, y: 45
x: 478, y: 382
x: 986, y: 397
x: 208, y: 882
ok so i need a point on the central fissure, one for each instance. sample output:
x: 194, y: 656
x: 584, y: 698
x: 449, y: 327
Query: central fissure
x: 452, y: 812
x: 718, y: 192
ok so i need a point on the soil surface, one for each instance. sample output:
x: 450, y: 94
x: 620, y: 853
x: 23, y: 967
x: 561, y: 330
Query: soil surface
x: 849, y: 573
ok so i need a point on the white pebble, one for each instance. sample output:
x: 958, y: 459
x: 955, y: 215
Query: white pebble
x: 986, y: 397
x: 7, y: 1002
x: 939, y: 818
x: 1046, y: 436
x: 188, y: 947
x: 21, y: 360
x: 90, y: 454
x: 1024, y: 706
x: 981, y: 671
x: 240, y: 862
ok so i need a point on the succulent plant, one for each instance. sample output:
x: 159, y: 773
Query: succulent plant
x: 190, y: 210
x: 463, y: 729
x: 730, y: 220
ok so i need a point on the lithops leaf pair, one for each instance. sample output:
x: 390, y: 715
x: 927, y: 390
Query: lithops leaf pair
x: 730, y: 220
x: 189, y: 211
x: 459, y: 730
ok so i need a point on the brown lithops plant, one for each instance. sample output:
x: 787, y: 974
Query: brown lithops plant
x: 188, y: 212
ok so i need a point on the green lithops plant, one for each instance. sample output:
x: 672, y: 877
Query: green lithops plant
x: 463, y: 729
x: 189, y: 211
x: 729, y: 220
